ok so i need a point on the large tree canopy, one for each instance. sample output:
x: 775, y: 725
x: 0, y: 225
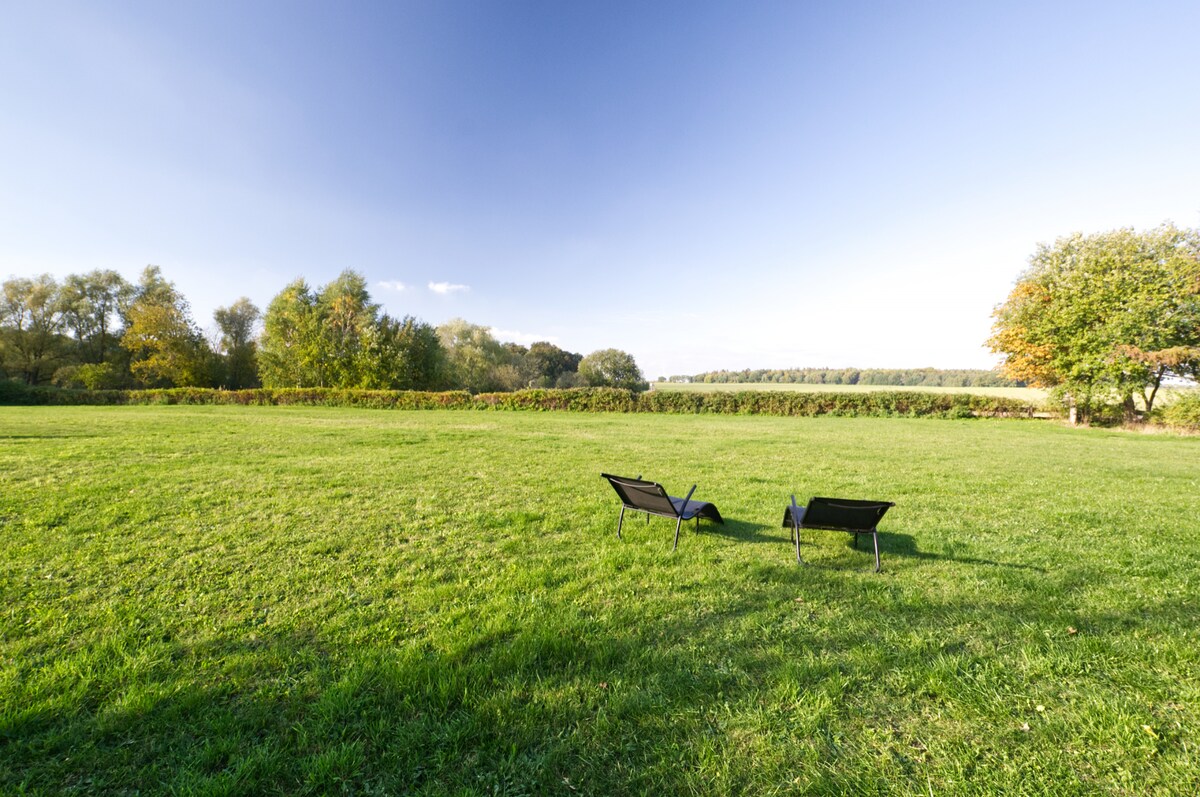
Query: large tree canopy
x: 31, y: 328
x: 166, y: 347
x: 1107, y: 314
x: 612, y: 368
x: 336, y: 337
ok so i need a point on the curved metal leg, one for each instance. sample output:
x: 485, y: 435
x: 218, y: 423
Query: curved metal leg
x: 678, y: 523
x: 875, y: 534
x: 796, y: 530
x: 620, y: 521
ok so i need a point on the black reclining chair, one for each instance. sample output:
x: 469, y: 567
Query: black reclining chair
x: 837, y: 514
x: 651, y: 498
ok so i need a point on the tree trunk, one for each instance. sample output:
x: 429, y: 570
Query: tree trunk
x: 1130, y: 408
x: 1158, y: 378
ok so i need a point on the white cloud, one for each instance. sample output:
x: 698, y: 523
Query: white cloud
x: 447, y: 287
x: 392, y: 285
x: 524, y: 338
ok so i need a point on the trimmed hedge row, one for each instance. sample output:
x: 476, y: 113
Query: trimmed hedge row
x: 880, y: 404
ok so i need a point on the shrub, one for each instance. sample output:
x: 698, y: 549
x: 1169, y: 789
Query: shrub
x: 585, y: 399
x: 1183, y: 412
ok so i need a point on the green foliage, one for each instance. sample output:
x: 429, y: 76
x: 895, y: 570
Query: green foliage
x: 165, y: 347
x: 545, y: 364
x: 1108, y: 314
x: 612, y: 368
x: 403, y: 354
x: 93, y: 305
x: 238, y: 349
x: 336, y: 337
x: 32, y: 343
x: 903, y: 377
x: 232, y: 600
x: 1184, y: 411
x: 474, y: 358
x: 290, y: 352
x: 600, y: 399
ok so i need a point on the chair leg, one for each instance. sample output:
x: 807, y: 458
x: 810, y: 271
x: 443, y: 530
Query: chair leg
x: 678, y: 523
x: 796, y: 534
x: 856, y: 540
x: 875, y: 534
x: 619, y: 522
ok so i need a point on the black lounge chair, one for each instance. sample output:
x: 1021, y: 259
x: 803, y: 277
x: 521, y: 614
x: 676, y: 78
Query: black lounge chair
x: 651, y: 498
x: 837, y: 514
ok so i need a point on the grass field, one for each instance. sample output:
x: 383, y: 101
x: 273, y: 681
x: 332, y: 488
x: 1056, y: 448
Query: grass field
x: 1030, y: 394
x: 226, y: 600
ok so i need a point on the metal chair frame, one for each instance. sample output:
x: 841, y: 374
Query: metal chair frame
x: 680, y: 509
x: 795, y: 514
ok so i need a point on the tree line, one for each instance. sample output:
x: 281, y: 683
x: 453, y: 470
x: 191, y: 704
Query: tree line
x: 905, y: 377
x: 99, y: 331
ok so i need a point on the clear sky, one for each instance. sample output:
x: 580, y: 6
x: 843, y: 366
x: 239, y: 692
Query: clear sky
x: 704, y: 185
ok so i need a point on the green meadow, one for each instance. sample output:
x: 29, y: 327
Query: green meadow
x: 242, y: 600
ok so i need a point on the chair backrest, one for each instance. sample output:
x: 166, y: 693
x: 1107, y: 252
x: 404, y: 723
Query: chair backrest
x: 643, y: 495
x: 845, y: 513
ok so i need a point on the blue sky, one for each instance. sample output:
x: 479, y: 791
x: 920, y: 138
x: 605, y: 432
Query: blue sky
x: 704, y: 185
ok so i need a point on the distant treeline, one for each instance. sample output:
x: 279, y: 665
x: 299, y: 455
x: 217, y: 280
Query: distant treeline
x: 905, y: 377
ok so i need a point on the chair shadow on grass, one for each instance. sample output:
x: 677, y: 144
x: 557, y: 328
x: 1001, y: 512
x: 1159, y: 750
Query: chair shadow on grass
x: 743, y: 531
x: 896, y: 544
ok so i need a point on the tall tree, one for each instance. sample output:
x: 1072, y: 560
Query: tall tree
x: 403, y: 354
x: 31, y: 328
x: 473, y: 355
x: 92, y: 305
x: 290, y: 350
x: 612, y: 368
x: 166, y: 347
x: 347, y: 315
x: 237, y: 346
x: 545, y: 363
x: 1107, y: 314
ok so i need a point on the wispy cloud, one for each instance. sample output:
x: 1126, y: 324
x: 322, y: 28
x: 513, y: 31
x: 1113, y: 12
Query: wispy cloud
x: 447, y: 287
x: 392, y: 285
x: 522, y: 337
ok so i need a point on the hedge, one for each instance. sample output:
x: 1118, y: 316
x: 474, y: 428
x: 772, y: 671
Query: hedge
x: 782, y: 403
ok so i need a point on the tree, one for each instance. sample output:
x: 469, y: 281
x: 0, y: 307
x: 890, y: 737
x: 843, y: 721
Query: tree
x: 92, y: 305
x: 31, y: 327
x: 347, y: 315
x: 165, y: 346
x: 612, y: 368
x: 473, y: 356
x: 545, y: 363
x: 236, y: 345
x: 403, y: 354
x: 289, y: 352
x: 1108, y: 314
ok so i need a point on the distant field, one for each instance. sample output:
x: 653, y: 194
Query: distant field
x: 1029, y: 394
x: 268, y: 600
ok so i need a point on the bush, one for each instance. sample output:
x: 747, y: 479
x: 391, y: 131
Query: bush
x: 584, y: 399
x: 1183, y: 412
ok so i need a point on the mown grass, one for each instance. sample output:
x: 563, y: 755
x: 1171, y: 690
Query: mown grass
x: 225, y: 600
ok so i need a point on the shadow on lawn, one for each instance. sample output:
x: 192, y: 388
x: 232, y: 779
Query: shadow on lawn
x: 635, y: 703
x: 905, y: 545
x: 890, y: 544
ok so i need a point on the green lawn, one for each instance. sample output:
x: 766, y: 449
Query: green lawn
x: 226, y: 600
